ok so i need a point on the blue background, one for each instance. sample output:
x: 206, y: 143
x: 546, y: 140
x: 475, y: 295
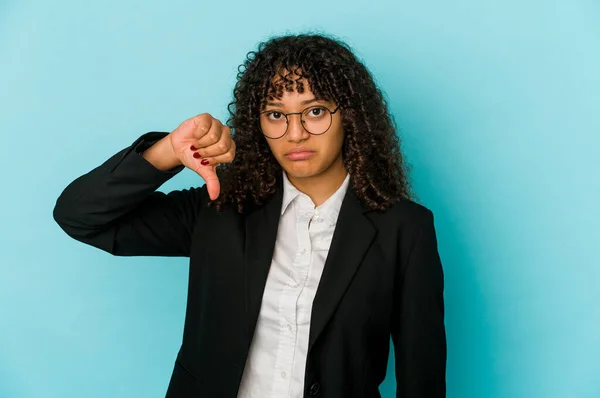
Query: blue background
x: 498, y: 104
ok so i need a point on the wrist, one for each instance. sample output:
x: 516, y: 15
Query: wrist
x: 161, y: 155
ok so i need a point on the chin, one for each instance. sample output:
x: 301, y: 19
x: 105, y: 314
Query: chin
x: 301, y: 172
x: 296, y: 174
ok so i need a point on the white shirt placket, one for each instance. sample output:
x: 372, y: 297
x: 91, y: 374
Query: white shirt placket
x: 291, y: 298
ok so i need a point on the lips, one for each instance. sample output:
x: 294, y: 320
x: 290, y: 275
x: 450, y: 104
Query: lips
x: 299, y: 154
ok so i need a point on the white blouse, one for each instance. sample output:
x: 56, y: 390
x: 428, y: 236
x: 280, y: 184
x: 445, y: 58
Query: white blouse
x: 277, y: 357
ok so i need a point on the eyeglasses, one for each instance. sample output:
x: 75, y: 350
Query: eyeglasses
x: 316, y: 120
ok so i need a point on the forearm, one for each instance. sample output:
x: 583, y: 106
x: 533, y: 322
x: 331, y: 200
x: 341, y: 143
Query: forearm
x: 95, y: 200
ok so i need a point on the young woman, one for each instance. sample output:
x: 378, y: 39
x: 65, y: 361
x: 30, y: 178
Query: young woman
x: 306, y: 250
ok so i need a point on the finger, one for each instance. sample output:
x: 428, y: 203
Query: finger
x: 212, y: 136
x: 219, y: 148
x: 213, y: 186
x: 201, y: 125
x: 227, y: 157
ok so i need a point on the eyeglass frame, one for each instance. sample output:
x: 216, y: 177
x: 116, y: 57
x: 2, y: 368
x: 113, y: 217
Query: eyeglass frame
x: 287, y: 121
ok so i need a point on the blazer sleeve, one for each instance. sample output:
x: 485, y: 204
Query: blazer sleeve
x: 116, y: 208
x: 418, y: 330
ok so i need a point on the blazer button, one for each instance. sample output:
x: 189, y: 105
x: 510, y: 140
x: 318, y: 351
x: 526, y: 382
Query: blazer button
x: 314, y: 389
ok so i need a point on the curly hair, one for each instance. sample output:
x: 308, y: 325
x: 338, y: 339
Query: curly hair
x: 371, y: 148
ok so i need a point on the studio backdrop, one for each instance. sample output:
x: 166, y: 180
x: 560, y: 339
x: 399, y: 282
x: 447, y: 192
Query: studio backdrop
x: 498, y: 107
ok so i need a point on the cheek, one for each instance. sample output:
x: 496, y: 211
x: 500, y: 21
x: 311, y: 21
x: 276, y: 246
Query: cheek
x: 273, y: 147
x: 334, y: 143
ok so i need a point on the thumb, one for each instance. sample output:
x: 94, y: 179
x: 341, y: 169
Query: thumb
x: 211, y: 179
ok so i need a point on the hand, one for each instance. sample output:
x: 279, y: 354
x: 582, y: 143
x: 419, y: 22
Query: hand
x: 201, y: 143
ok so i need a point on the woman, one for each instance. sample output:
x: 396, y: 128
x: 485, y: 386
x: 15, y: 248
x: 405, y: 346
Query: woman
x: 306, y: 251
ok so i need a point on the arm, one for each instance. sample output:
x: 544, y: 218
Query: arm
x: 418, y: 330
x: 116, y: 208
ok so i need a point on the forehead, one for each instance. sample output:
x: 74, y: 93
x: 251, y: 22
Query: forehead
x: 291, y: 86
x: 291, y: 97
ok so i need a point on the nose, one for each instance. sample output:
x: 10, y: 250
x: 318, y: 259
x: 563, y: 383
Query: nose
x: 295, y: 130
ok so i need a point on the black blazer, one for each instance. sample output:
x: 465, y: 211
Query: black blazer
x: 382, y: 277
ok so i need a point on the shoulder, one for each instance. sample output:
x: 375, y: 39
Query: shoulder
x: 405, y: 212
x: 404, y: 220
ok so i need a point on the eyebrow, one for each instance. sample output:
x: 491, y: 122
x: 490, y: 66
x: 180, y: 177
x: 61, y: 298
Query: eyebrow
x: 308, y: 101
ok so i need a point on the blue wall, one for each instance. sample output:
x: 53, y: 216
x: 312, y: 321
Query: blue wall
x: 498, y: 104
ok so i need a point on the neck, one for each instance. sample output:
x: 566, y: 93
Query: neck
x: 321, y: 186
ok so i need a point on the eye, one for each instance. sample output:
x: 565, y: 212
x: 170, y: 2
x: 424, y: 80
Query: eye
x: 316, y: 111
x: 275, y: 116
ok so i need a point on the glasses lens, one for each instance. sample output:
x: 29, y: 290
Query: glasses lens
x: 316, y: 119
x: 273, y: 124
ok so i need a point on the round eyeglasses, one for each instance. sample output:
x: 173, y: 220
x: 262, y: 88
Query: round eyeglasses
x: 316, y: 120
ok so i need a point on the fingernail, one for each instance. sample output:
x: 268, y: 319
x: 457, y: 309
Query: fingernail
x: 204, y: 162
x: 196, y: 155
x: 193, y: 148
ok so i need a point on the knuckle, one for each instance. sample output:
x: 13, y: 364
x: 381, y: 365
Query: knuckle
x: 204, y: 122
x: 204, y: 118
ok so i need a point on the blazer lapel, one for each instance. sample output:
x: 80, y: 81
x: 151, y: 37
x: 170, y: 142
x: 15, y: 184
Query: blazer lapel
x: 261, y: 234
x: 352, y: 237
